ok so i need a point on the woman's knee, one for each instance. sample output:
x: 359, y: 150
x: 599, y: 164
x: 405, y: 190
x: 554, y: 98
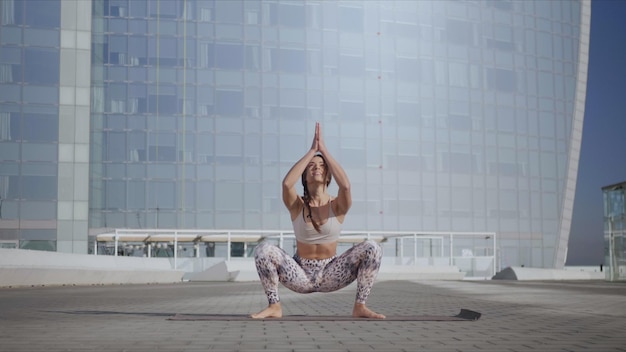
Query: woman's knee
x: 261, y: 249
x: 373, y: 247
x: 265, y: 249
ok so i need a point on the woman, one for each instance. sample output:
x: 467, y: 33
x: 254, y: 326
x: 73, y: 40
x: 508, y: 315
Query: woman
x: 317, y: 218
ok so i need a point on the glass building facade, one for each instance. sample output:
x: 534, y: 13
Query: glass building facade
x: 615, y: 231
x: 447, y: 115
x: 44, y: 124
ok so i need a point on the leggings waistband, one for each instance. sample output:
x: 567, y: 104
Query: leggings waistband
x: 313, y: 262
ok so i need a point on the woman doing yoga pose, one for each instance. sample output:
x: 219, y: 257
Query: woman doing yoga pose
x: 317, y: 218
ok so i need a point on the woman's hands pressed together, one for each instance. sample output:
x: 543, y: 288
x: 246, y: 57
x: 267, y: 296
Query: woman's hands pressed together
x: 318, y: 144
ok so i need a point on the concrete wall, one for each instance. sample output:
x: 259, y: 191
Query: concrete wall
x: 538, y: 274
x: 19, y: 267
x: 243, y: 269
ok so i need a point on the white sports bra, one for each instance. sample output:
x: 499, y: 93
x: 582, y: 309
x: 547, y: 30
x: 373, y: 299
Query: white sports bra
x: 306, y: 233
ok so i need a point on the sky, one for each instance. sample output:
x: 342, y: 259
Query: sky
x: 603, y: 150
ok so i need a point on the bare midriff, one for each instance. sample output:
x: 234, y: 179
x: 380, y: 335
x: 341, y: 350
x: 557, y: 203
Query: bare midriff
x: 316, y: 251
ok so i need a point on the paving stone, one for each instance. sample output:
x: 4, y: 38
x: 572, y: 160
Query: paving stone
x: 517, y: 316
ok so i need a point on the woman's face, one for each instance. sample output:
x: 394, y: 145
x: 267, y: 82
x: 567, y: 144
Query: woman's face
x: 316, y: 171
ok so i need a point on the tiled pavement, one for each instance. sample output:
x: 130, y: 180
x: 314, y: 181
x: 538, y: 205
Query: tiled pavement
x: 517, y: 316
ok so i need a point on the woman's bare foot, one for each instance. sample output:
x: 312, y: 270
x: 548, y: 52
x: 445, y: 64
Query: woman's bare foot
x: 274, y: 310
x: 361, y: 311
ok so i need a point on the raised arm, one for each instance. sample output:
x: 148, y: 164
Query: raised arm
x: 292, y: 201
x: 344, y: 197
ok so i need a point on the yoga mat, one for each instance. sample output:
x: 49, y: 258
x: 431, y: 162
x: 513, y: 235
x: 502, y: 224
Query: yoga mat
x: 464, y: 315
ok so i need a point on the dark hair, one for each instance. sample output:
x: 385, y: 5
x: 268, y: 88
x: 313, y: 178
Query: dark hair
x: 307, y: 196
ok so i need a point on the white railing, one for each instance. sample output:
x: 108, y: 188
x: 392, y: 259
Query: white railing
x: 472, y: 252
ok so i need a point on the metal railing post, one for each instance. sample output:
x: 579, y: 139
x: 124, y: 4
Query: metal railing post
x: 451, y: 249
x: 228, y: 246
x: 414, y: 249
x: 175, y: 250
x: 442, y: 248
x: 116, y: 242
x: 495, y: 270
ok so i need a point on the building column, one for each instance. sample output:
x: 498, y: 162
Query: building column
x: 74, y: 119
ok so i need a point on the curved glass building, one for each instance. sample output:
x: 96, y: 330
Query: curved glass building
x: 447, y: 115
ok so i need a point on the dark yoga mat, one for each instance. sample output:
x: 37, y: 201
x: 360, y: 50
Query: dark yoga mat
x: 464, y: 315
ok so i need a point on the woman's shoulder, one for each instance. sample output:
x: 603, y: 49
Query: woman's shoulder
x: 297, y: 207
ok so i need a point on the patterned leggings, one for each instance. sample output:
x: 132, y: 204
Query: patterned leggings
x: 360, y: 262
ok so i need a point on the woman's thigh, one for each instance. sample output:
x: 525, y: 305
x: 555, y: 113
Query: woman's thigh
x: 294, y: 277
x: 339, y: 273
x: 346, y: 267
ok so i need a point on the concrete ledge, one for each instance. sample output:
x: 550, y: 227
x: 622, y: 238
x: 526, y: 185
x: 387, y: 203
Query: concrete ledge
x: 33, y: 268
x: 20, y: 267
x: 537, y: 274
x: 218, y: 272
x: 42, y: 276
x: 239, y: 270
x: 408, y: 272
x: 244, y: 270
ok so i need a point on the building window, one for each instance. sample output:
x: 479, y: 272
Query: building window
x: 501, y: 79
x: 229, y: 103
x: 43, y: 66
x: 37, y: 13
x: 459, y: 32
x: 229, y: 56
x: 351, y: 19
x: 288, y: 15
